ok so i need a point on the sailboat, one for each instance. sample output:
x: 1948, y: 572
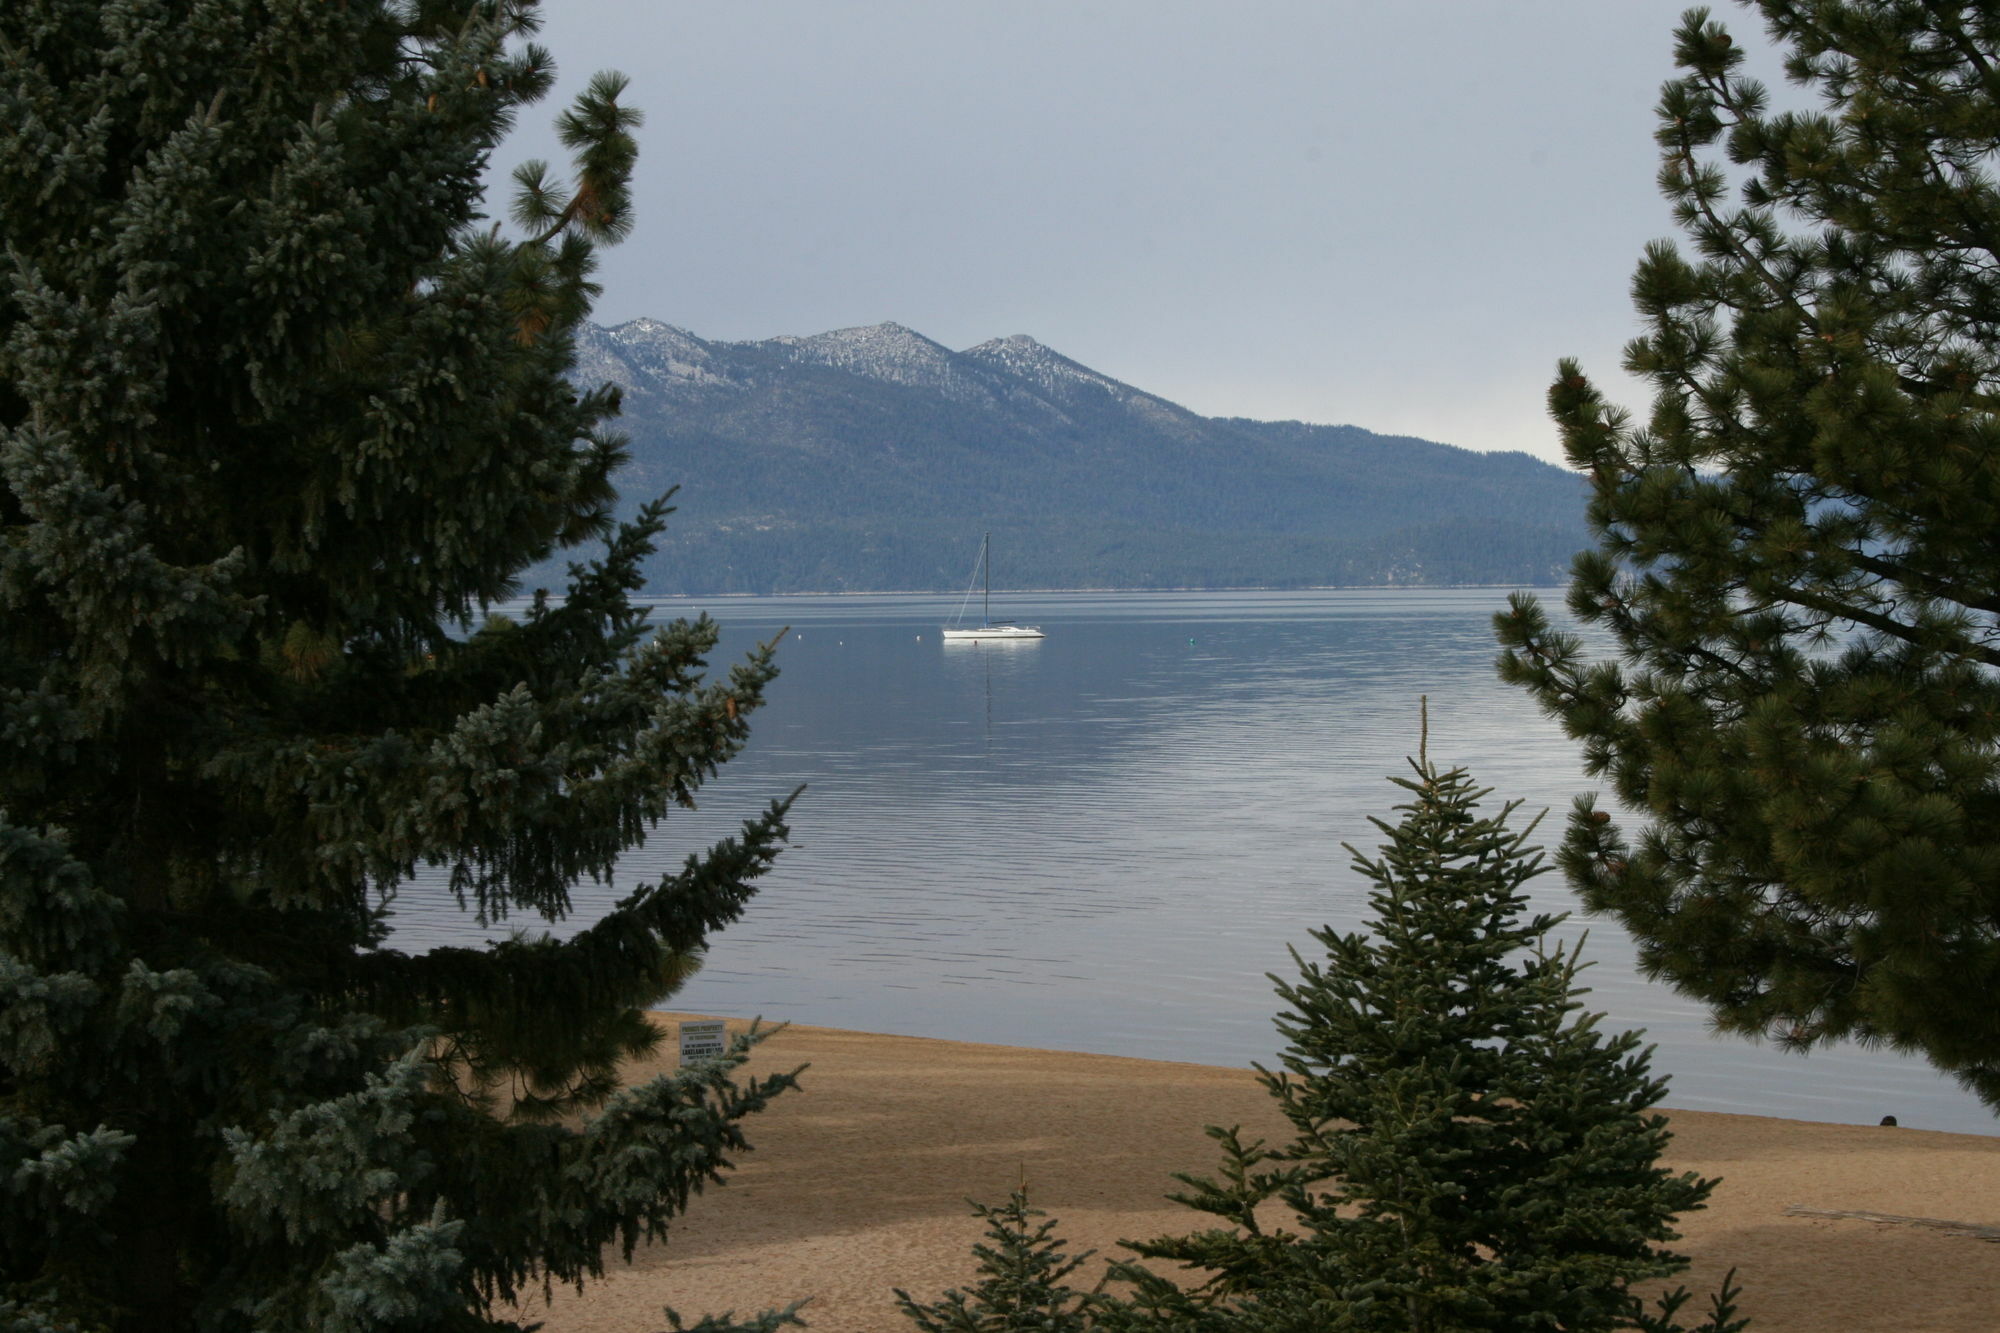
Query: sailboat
x: 988, y: 629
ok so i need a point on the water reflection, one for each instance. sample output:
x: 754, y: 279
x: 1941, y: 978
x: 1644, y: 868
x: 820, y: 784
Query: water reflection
x: 1102, y: 840
x: 976, y: 658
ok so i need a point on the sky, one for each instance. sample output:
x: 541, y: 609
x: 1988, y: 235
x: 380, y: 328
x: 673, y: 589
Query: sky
x: 1396, y: 216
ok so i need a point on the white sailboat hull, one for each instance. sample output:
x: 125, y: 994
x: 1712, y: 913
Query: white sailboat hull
x: 992, y: 632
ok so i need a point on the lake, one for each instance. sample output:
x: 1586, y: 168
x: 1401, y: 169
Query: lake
x: 1103, y: 840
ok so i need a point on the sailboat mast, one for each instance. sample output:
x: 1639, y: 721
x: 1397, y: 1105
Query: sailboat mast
x: 986, y: 567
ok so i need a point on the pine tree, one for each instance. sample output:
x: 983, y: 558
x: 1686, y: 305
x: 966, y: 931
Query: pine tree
x: 281, y: 416
x: 1470, y: 1151
x: 1798, y: 555
x: 1022, y: 1289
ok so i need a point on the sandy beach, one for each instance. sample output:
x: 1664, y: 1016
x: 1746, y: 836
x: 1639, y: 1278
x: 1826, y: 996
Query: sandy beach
x: 858, y: 1184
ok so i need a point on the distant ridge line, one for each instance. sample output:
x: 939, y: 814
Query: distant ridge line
x: 858, y: 459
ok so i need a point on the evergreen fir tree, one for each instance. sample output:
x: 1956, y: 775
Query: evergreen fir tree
x: 1021, y: 1289
x: 280, y: 417
x: 1799, y: 553
x: 1470, y: 1151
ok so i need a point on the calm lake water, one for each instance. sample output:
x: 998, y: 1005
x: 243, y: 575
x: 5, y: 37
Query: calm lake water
x: 1103, y: 841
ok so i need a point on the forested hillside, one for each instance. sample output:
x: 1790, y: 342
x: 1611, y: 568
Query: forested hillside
x: 873, y: 459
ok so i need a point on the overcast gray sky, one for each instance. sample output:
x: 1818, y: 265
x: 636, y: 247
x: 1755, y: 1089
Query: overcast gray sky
x: 1394, y: 215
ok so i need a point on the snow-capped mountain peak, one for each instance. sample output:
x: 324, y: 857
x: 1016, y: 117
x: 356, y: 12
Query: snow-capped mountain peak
x: 647, y: 355
x: 887, y: 343
x: 1060, y: 379
x: 651, y: 356
x: 888, y: 352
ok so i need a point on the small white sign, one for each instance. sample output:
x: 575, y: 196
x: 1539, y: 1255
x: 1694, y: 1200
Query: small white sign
x: 703, y: 1040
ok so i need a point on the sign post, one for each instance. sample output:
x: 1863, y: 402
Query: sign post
x: 702, y: 1040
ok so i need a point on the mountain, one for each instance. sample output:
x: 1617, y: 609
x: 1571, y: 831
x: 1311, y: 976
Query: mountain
x: 873, y: 458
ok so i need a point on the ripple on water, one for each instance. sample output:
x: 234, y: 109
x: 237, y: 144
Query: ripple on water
x: 1105, y: 840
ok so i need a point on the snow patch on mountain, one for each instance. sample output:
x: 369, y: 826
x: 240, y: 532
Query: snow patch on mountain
x: 1065, y: 382
x: 892, y: 354
x: 646, y: 355
x: 660, y: 361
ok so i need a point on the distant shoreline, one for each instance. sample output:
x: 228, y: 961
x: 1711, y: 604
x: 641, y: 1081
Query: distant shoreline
x: 1043, y: 592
